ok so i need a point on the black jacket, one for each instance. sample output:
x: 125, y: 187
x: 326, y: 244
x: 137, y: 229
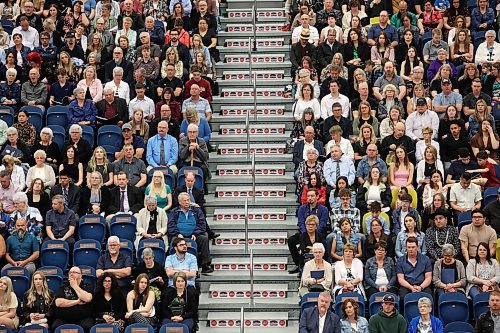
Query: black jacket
x: 128, y: 71
x: 198, y: 195
x: 73, y: 196
x: 135, y: 200
x: 121, y: 108
x: 296, y: 54
x: 485, y: 323
x: 326, y: 53
x: 86, y: 206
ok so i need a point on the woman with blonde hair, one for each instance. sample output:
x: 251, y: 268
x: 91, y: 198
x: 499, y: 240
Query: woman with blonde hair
x: 172, y: 57
x: 338, y: 59
x: 387, y: 125
x: 389, y: 99
x: 197, y: 46
x: 364, y: 116
x: 8, y: 304
x: 366, y: 137
x: 159, y: 189
x: 91, y: 84
x: 192, y: 117
x: 359, y: 76
x: 418, y: 92
x: 444, y: 72
x: 99, y: 162
x: 37, y: 301
x: 471, y: 72
x: 428, y: 165
x: 481, y: 113
x: 139, y: 125
x: 127, y: 31
x: 201, y: 61
x: 66, y: 62
x: 96, y: 45
x: 95, y: 196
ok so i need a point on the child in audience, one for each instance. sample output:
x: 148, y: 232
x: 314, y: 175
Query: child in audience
x: 375, y: 210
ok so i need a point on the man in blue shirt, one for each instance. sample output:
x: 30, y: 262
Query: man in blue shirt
x: 414, y: 270
x: 343, y: 163
x: 383, y: 26
x: 181, y: 261
x: 60, y: 221
x: 367, y: 162
x: 162, y: 149
x: 187, y: 221
x: 22, y: 247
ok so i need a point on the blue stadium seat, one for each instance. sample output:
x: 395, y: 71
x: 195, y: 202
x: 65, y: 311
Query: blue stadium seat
x: 139, y: 328
x: 198, y: 176
x: 86, y: 252
x: 167, y: 173
x: 192, y: 247
x: 342, y: 297
x: 32, y: 329
x: 54, y: 276
x: 174, y: 328
x: 35, y: 115
x: 410, y: 306
x: 458, y: 327
x: 55, y: 253
x: 126, y: 247
x: 7, y: 114
x: 110, y: 152
x: 453, y: 307
x: 309, y: 297
x: 89, y: 276
x: 496, y: 114
x: 104, y: 328
x: 376, y: 302
x: 123, y: 226
x: 88, y: 134
x: 464, y: 219
x: 109, y: 135
x: 20, y: 277
x: 57, y: 115
x: 59, y: 139
x: 69, y: 328
x: 497, y: 170
x: 92, y: 226
x: 480, y: 304
x: 158, y: 247
x: 7, y: 25
x: 490, y: 195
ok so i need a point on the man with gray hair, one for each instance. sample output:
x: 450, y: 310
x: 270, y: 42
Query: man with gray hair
x: 111, y: 110
x: 108, y: 39
x: 22, y: 247
x: 320, y: 318
x: 120, y: 87
x: 119, y: 61
x: 34, y: 92
x: 193, y: 151
x: 115, y: 262
x: 188, y: 221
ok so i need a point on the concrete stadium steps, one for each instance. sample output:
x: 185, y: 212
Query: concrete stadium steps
x: 255, y: 239
x: 261, y: 93
x: 231, y: 107
x: 261, y: 4
x: 276, y: 138
x: 232, y: 149
x: 217, y: 159
x: 243, y: 291
x: 262, y: 192
x: 255, y: 129
x: 292, y: 327
x: 270, y: 78
x: 240, y: 45
x: 252, y: 319
x: 228, y: 170
x: 230, y: 219
x: 222, y: 67
x: 264, y: 58
x: 274, y: 14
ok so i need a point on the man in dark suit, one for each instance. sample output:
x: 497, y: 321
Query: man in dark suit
x: 300, y: 148
x: 125, y: 198
x: 118, y: 61
x: 309, y: 319
x: 68, y: 190
x: 112, y: 108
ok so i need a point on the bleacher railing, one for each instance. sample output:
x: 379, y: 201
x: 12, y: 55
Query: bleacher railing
x: 251, y: 80
x: 242, y: 320
x: 252, y: 300
x: 246, y: 226
x: 253, y: 177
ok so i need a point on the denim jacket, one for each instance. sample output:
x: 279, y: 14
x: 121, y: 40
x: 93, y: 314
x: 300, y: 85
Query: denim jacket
x: 345, y: 325
x: 371, y: 268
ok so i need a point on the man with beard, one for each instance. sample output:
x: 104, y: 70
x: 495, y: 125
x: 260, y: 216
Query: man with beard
x: 398, y: 138
x: 60, y: 222
x: 118, y: 61
x: 488, y: 321
x: 320, y: 316
x: 181, y: 261
x: 116, y: 263
x: 22, y: 247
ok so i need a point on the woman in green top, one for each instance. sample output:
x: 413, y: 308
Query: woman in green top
x: 161, y: 190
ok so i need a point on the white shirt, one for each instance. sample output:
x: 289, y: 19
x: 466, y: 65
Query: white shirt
x: 345, y: 147
x: 123, y: 90
x: 147, y: 105
x: 30, y: 37
x: 126, y: 206
x: 307, y: 146
x: 314, y: 35
x: 327, y: 102
x: 416, y: 121
x: 321, y: 323
x: 17, y: 177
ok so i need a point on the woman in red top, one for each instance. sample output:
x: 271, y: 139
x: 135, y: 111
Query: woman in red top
x: 314, y: 183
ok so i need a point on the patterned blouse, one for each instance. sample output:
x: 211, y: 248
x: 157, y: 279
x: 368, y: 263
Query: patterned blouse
x: 27, y: 133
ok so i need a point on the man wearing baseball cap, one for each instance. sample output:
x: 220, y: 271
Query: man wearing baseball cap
x: 445, y: 98
x: 388, y: 318
x: 416, y: 121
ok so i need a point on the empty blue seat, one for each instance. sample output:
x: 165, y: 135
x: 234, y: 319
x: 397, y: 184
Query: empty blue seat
x: 480, y: 304
x: 57, y: 115
x: 32, y: 329
x: 123, y: 226
x: 490, y: 195
x: 7, y: 114
x: 110, y: 151
x: 88, y: 134
x: 88, y: 276
x: 174, y: 328
x: 410, y: 304
x: 109, y: 135
x: 458, y: 327
x: 158, y: 247
x: 86, y: 252
x: 344, y: 296
x: 20, y: 278
x: 464, y: 219
x: 54, y: 276
x: 453, y: 307
x: 198, y: 176
x: 92, y: 226
x: 55, y: 253
x: 104, y: 328
x: 376, y: 302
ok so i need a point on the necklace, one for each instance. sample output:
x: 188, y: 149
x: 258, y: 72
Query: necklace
x: 445, y: 240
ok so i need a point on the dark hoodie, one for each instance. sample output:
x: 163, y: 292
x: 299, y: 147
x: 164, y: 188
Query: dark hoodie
x: 381, y: 322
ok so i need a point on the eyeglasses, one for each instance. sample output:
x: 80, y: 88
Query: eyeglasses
x: 183, y: 244
x: 74, y: 272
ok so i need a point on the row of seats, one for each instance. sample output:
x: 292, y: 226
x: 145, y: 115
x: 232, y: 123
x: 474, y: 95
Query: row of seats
x: 452, y: 307
x: 101, y: 328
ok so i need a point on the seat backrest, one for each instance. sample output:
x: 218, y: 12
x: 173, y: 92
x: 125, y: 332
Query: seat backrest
x: 453, y: 307
x: 88, y: 134
x: 7, y: 117
x: 55, y: 253
x: 69, y: 328
x: 174, y: 328
x: 123, y: 226
x: 352, y: 295
x: 158, y: 247
x: 32, y: 329
x: 88, y: 275
x: 309, y: 297
x: 54, y: 276
x: 365, y: 216
x: 198, y: 176
x: 376, y: 301
x: 57, y: 118
x: 139, y: 328
x: 480, y: 304
x: 110, y: 135
x: 92, y: 226
x: 167, y: 174
x: 459, y: 327
x: 104, y: 328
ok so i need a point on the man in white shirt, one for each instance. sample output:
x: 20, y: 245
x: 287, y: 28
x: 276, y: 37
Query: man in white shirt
x: 314, y: 35
x: 30, y: 34
x: 332, y: 97
x: 416, y: 121
x: 142, y: 102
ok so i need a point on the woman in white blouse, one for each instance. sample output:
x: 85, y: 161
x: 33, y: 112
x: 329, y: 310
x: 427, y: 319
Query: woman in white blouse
x: 349, y: 273
x: 41, y: 170
x: 306, y: 100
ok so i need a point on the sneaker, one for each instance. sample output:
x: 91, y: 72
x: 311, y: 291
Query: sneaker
x: 293, y: 270
x: 207, y: 269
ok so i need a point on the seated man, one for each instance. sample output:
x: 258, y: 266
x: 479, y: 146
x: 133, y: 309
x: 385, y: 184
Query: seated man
x: 22, y: 247
x: 193, y: 151
x: 440, y: 233
x: 136, y: 141
x: 132, y: 165
x: 69, y: 191
x: 189, y: 221
x: 312, y: 317
x: 7, y: 191
x: 162, y: 149
x: 399, y: 214
x: 367, y: 162
x: 477, y: 232
x: 485, y: 322
x: 465, y: 195
x: 60, y: 222
x: 125, y: 198
x: 302, y: 146
x: 34, y: 92
x: 119, y: 264
x: 181, y: 261
x: 459, y: 166
x: 414, y: 270
x: 73, y: 302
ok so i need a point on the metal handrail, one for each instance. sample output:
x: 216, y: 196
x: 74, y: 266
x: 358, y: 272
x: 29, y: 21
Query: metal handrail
x: 242, y: 320
x: 252, y: 300
x: 246, y: 226
x: 247, y: 128
x: 253, y: 177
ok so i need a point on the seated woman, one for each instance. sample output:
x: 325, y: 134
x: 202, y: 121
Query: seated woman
x: 410, y: 230
x: 380, y: 272
x: 376, y: 236
x: 99, y: 162
x: 308, y: 238
x: 317, y: 274
x: 37, y: 301
x: 72, y: 166
x: 483, y: 272
x: 314, y: 183
x: 300, y: 125
x: 51, y: 148
x: 390, y: 98
x: 372, y: 190
x: 307, y: 167
x: 342, y: 183
x: 31, y: 214
x: 337, y: 139
x: 367, y: 136
x: 151, y: 222
x: 192, y: 117
x: 425, y: 319
x: 140, y: 302
x: 180, y: 302
x: 427, y: 166
x: 401, y: 170
x: 37, y: 197
x: 139, y: 125
x: 427, y: 133
x: 343, y: 239
x: 154, y: 270
x: 449, y: 274
x: 160, y: 190
x: 41, y: 170
x: 95, y: 196
x: 352, y: 320
x: 349, y: 273
x: 362, y: 117
x: 27, y: 131
x: 436, y: 185
x: 9, y: 304
x: 481, y: 113
x: 387, y: 125
x: 486, y: 139
x: 82, y: 110
x: 109, y: 304
x: 438, y: 201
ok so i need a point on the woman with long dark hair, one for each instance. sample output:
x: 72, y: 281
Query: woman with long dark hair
x: 411, y: 61
x: 483, y: 271
x: 140, y: 302
x: 109, y: 304
x: 382, y: 49
x: 356, y: 52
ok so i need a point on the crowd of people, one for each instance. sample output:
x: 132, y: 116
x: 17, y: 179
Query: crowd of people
x: 395, y: 145
x: 147, y: 67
